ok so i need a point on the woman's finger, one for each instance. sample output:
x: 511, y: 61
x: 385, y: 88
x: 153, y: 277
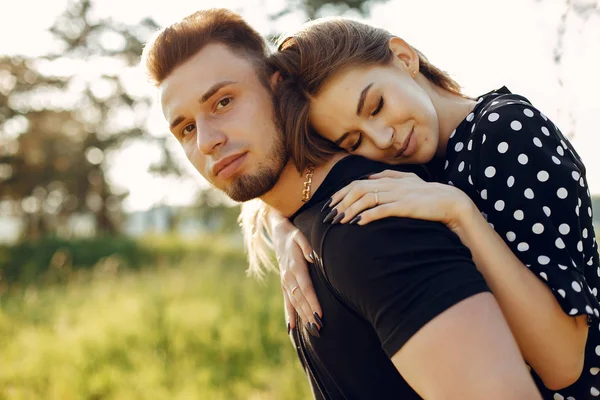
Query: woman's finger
x: 366, y: 202
x: 308, y: 290
x: 290, y: 311
x: 375, y: 213
x: 304, y: 245
x: 388, y: 173
x: 299, y: 301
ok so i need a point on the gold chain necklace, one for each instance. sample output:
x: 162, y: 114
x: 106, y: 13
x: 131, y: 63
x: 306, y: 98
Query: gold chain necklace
x: 308, y: 183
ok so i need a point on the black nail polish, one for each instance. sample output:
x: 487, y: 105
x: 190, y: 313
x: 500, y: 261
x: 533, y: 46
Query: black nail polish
x: 354, y: 220
x: 315, y: 331
x: 319, y: 320
x: 338, y: 218
x: 288, y: 326
x: 327, y: 203
x: 312, y: 257
x: 330, y: 216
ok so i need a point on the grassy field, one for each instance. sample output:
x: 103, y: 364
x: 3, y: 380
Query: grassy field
x: 198, y: 330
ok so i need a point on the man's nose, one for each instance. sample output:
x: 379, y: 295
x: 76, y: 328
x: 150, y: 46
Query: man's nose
x: 209, y: 138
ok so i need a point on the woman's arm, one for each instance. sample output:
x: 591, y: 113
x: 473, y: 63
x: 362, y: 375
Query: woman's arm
x: 551, y: 341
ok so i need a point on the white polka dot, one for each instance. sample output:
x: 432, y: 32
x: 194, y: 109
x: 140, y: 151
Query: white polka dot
x: 590, y: 211
x: 523, y: 159
x: 516, y: 125
x: 529, y: 194
x: 563, y: 267
x: 470, y: 180
x: 461, y: 166
x: 510, y: 181
x: 562, y: 193
x: 483, y: 138
x: 545, y: 131
x: 575, y: 175
x: 560, y: 151
x: 584, y: 233
x: 573, y: 311
x: 519, y: 215
x: 594, y: 371
x: 579, y: 246
x: 564, y: 229
x: 544, y: 260
x: 503, y: 147
x: 581, y: 182
x: 537, y: 228
x: 577, y: 210
x: 470, y: 145
x: 528, y: 112
x: 493, y: 117
x: 511, y: 236
x: 537, y: 142
x: 494, y: 102
x: 446, y: 165
x: 544, y: 275
x: 576, y: 286
x: 559, y: 243
x: 452, y: 134
x: 475, y: 125
x: 563, y: 144
x: 543, y: 176
x: 595, y: 392
x: 499, y: 205
x: 562, y: 293
x: 522, y: 246
x: 547, y: 211
x: 470, y: 117
x: 578, y: 202
x: 589, y: 310
x: 490, y: 172
x: 459, y: 146
x: 543, y: 116
x: 555, y: 160
x: 598, y: 350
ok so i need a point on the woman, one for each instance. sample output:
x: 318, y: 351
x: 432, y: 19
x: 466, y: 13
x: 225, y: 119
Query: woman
x: 352, y: 86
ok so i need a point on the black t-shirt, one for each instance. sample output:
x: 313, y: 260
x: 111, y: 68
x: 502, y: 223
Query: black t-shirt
x: 378, y: 284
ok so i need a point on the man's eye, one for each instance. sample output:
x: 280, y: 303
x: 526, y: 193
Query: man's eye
x: 188, y: 129
x: 223, y: 102
x: 378, y: 108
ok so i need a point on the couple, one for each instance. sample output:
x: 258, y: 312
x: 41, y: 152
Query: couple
x: 404, y: 261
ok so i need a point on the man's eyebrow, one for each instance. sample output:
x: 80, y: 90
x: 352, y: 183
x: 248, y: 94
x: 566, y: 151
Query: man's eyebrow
x: 361, y: 100
x: 207, y: 95
x: 214, y: 89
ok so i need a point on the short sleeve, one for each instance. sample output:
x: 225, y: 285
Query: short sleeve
x: 532, y: 186
x: 398, y: 274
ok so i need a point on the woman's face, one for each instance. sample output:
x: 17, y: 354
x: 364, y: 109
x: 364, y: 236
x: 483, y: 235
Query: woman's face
x: 379, y: 112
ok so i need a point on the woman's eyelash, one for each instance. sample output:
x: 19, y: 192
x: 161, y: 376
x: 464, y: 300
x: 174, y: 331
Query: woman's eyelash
x: 357, y: 144
x: 379, y: 106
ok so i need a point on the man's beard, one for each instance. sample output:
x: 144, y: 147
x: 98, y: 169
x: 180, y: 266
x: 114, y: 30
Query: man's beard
x: 248, y: 187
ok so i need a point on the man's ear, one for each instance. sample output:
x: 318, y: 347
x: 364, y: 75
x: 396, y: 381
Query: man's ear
x: 275, y: 78
x: 405, y: 55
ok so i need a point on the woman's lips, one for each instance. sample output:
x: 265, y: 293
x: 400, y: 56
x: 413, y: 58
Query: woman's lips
x: 405, y: 144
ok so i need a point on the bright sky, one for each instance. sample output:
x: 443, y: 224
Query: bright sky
x: 484, y: 44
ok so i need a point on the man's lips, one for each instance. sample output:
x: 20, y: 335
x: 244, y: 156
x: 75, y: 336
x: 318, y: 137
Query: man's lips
x: 405, y: 143
x: 225, y: 162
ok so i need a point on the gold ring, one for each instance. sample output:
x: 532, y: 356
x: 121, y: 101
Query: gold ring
x: 376, y: 198
x: 294, y: 289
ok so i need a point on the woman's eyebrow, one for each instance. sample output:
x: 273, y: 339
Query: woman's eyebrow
x: 361, y: 99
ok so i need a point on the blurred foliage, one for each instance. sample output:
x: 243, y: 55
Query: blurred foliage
x: 52, y: 259
x: 198, y: 331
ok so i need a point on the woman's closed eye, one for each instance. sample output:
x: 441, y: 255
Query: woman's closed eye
x: 378, y: 108
x: 358, y: 142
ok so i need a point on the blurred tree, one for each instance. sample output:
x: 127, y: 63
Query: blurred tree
x: 61, y: 116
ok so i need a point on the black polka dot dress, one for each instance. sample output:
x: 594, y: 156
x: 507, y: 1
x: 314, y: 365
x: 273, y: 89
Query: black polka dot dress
x: 530, y: 185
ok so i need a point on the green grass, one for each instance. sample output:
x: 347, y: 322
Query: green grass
x: 199, y: 330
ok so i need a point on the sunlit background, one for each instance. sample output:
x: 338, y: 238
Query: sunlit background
x: 121, y: 273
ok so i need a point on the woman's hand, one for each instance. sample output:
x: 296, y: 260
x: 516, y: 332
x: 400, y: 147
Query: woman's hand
x: 398, y: 194
x: 293, y: 251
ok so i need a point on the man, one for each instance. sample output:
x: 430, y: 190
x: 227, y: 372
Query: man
x: 406, y: 318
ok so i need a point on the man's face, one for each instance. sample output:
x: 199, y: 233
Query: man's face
x: 222, y: 115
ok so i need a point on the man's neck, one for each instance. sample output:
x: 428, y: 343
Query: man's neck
x: 286, y: 195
